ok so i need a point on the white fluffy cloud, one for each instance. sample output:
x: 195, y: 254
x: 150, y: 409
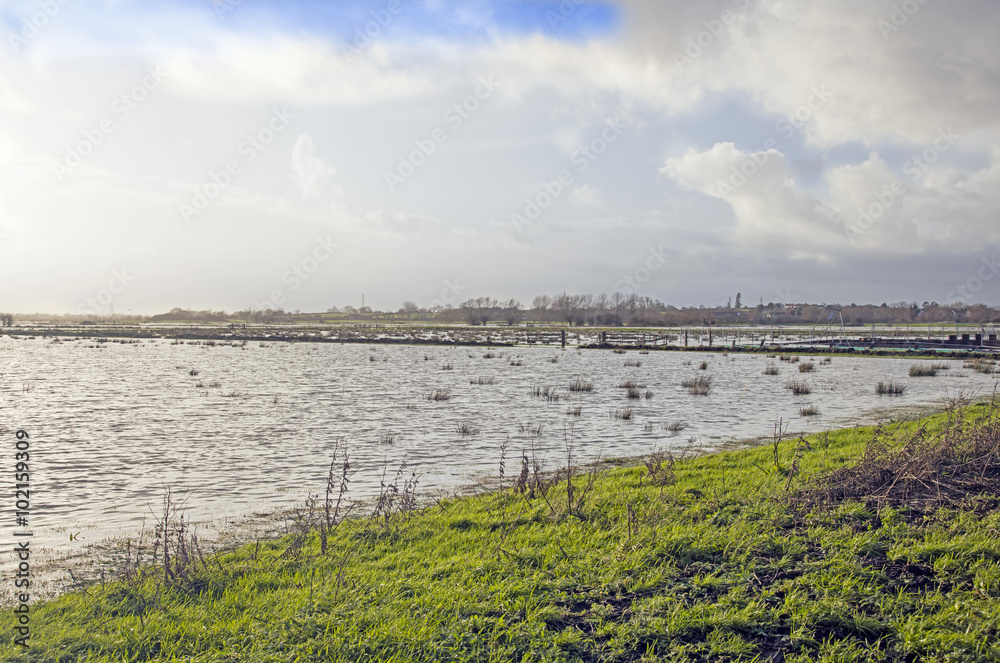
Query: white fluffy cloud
x: 311, y: 173
x: 699, y: 86
x: 869, y: 208
x: 769, y: 208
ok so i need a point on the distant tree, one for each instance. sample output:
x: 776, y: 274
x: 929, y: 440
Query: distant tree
x: 738, y: 297
x: 729, y: 303
x: 409, y: 309
x: 511, y: 312
x: 571, y: 308
x: 481, y: 310
x: 541, y: 305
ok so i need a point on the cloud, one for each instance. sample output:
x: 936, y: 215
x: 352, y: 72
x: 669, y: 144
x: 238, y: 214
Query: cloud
x: 869, y: 208
x: 389, y: 223
x: 847, y: 103
x: 769, y: 208
x: 588, y: 196
x: 311, y: 173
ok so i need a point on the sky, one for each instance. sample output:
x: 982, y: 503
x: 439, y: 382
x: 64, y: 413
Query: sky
x: 300, y: 154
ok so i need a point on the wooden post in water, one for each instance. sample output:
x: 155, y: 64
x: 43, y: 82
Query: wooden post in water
x: 685, y: 338
x: 564, y: 338
x: 709, y: 338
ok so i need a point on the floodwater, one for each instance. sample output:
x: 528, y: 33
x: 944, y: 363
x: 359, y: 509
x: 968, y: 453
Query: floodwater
x: 240, y: 429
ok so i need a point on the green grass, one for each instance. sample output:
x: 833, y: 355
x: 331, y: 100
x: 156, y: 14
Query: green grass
x: 702, y: 560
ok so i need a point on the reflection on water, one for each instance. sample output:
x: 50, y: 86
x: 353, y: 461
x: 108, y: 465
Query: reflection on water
x: 249, y: 428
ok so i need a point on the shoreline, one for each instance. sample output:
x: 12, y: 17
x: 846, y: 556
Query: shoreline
x: 698, y: 541
x: 308, y: 335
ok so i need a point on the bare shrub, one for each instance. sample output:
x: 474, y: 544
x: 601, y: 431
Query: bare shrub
x: 466, y: 429
x: 699, y: 386
x: 660, y: 467
x: 920, y: 471
x: 439, y: 395
x: 623, y: 413
x: 890, y: 388
x: 798, y: 388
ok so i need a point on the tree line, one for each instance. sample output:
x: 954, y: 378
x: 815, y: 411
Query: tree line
x: 601, y: 310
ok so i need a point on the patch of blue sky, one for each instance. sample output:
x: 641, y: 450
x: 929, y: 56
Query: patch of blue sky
x: 406, y: 20
x: 116, y: 26
x: 417, y: 20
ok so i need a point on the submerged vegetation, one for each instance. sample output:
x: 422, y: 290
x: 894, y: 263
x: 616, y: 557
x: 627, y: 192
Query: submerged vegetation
x: 926, y: 370
x: 798, y: 388
x: 875, y: 544
x: 890, y: 388
x: 699, y: 386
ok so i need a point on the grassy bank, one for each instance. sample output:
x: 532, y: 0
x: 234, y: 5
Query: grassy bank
x: 834, y: 547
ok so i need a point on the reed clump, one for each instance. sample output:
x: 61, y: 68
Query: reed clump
x: 466, y: 429
x: 623, y: 413
x: 926, y: 370
x: 981, y: 365
x: 890, y: 388
x: 439, y: 395
x: 631, y: 384
x: 798, y: 387
x: 699, y: 386
x: 771, y: 369
x: 581, y: 385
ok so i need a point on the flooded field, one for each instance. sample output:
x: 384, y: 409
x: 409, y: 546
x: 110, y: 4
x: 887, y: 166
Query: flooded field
x: 247, y: 428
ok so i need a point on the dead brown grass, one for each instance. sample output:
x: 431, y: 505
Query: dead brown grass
x: 928, y: 470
